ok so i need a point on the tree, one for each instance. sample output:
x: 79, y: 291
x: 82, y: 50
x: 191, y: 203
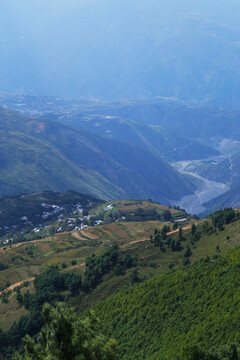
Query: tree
x: 197, y: 236
x: 194, y: 229
x: 178, y: 244
x: 134, y: 277
x: 164, y: 232
x: 180, y: 234
x: 119, y: 270
x: 172, y: 245
x: 19, y: 297
x: 175, y: 226
x: 186, y: 261
x: 128, y: 261
x: 67, y: 336
x: 188, y: 251
x: 157, y: 239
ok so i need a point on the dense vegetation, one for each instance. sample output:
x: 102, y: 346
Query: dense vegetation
x: 162, y: 317
x: 66, y: 336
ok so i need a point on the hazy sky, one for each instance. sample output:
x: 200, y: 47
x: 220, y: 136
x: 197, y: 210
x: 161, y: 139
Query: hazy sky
x: 101, y: 47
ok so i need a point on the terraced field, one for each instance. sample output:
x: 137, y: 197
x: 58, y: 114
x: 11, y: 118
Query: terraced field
x: 24, y: 260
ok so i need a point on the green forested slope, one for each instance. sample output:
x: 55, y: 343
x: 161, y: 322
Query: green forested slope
x: 159, y: 318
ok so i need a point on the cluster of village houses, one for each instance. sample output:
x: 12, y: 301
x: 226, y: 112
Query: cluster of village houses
x: 49, y: 211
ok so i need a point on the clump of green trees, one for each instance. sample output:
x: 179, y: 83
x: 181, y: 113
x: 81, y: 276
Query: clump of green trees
x: 161, y: 238
x: 223, y: 217
x: 67, y: 336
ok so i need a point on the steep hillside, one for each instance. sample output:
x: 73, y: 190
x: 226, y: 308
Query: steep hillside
x: 102, y: 167
x: 160, y: 318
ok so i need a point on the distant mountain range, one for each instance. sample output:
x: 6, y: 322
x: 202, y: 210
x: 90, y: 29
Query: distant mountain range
x: 39, y: 154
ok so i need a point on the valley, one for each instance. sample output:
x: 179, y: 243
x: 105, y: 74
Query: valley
x: 207, y: 191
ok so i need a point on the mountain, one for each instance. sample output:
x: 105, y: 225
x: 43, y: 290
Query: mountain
x: 173, y: 131
x: 38, y: 154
